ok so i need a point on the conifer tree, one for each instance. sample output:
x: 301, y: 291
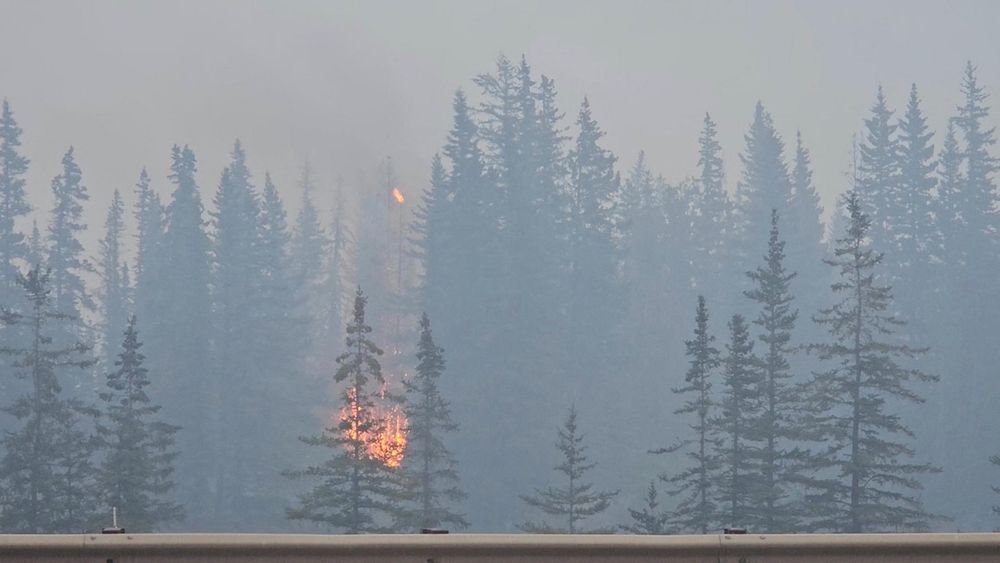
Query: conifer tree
x: 356, y: 492
x: 179, y: 336
x: 805, y: 232
x: 978, y: 188
x: 149, y: 215
x: 650, y: 520
x: 13, y: 205
x: 697, y: 510
x: 764, y: 186
x: 915, y: 232
x: 66, y: 259
x: 869, y: 482
x: 308, y: 252
x: 136, y: 474
x: 711, y: 215
x: 47, y: 472
x: 737, y: 450
x: 779, y: 462
x: 114, y: 290
x: 878, y: 185
x: 596, y: 297
x: 576, y: 500
x: 429, y: 465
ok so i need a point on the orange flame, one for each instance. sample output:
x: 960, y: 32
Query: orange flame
x: 398, y: 195
x: 388, y: 444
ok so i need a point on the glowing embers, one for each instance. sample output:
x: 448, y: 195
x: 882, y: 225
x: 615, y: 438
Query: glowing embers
x: 398, y: 195
x: 380, y: 429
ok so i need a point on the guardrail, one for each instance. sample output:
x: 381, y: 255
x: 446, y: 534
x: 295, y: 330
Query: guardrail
x: 499, y: 548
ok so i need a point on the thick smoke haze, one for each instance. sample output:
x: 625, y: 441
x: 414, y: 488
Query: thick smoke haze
x: 344, y: 84
x: 756, y: 238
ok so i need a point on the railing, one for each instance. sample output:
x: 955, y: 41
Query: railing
x: 498, y: 548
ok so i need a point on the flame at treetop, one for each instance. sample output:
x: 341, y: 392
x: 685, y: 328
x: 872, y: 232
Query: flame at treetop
x: 388, y: 444
x: 398, y: 195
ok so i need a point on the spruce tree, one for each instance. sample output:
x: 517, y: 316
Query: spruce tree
x: 576, y: 500
x: 114, y: 289
x: 179, y: 336
x: 136, y: 474
x: 47, y: 472
x: 697, y: 510
x: 149, y: 215
x: 878, y: 186
x: 66, y: 259
x: 737, y: 450
x: 650, y: 520
x: 595, y: 294
x: 805, y: 245
x: 711, y: 215
x: 13, y: 205
x: 764, y: 186
x: 428, y: 464
x: 356, y: 492
x: 868, y: 482
x: 780, y: 458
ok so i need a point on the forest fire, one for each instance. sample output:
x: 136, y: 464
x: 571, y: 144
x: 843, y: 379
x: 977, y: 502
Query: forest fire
x: 398, y: 195
x: 388, y: 444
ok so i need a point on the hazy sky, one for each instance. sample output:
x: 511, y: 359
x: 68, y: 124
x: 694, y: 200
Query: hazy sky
x: 346, y: 83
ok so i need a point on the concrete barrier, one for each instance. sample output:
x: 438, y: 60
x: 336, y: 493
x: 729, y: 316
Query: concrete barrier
x: 499, y: 548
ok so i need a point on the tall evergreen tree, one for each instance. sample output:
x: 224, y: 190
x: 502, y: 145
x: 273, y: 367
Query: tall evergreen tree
x: 150, y: 227
x: 878, y: 171
x: 13, y: 205
x: 357, y: 492
x: 308, y: 251
x: 429, y: 465
x: 711, y: 216
x: 596, y: 296
x: 916, y: 246
x: 869, y: 482
x: 114, y: 289
x: 805, y: 232
x: 697, y: 510
x: 776, y: 428
x: 740, y: 410
x: 136, y: 474
x: 179, y: 334
x: 764, y: 186
x: 978, y: 188
x: 577, y: 499
x: 66, y: 259
x: 47, y: 472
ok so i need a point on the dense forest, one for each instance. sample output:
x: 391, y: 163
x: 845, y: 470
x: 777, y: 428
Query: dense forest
x: 546, y: 339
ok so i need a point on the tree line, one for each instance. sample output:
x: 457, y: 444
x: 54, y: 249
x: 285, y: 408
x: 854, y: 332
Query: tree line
x: 551, y: 279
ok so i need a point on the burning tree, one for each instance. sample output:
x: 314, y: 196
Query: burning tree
x: 358, y: 489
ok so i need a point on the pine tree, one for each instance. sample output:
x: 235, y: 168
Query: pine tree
x: 47, y: 472
x: 13, y: 205
x: 868, y: 484
x: 429, y: 465
x: 878, y: 185
x: 595, y: 294
x: 150, y: 227
x: 805, y: 230
x: 114, y: 289
x: 136, y: 474
x: 66, y: 259
x: 916, y: 237
x: 242, y: 347
x: 711, y: 215
x: 697, y: 510
x: 776, y: 428
x: 308, y: 251
x: 179, y: 334
x: 650, y: 520
x: 577, y: 500
x: 357, y: 492
x: 737, y: 450
x: 979, y: 189
x: 764, y: 186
